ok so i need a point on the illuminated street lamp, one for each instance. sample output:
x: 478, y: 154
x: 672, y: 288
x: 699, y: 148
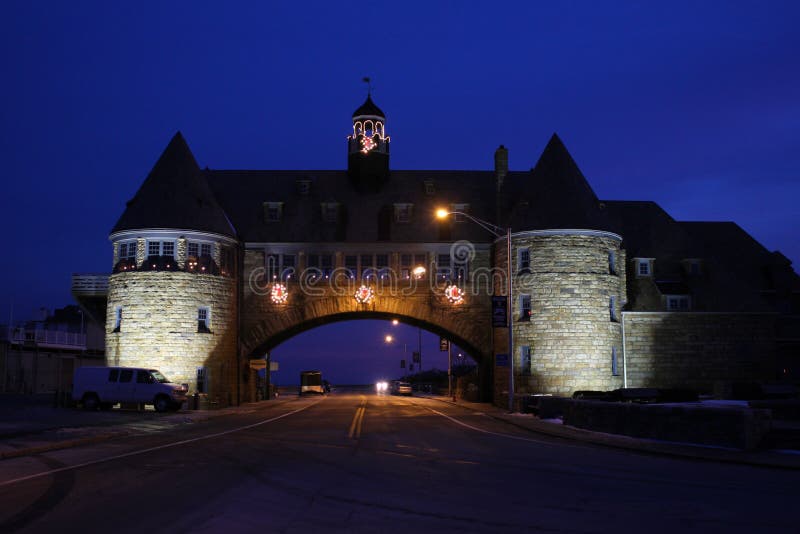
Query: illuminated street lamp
x: 497, y: 232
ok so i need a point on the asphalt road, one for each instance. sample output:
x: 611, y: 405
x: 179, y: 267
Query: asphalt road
x: 368, y: 463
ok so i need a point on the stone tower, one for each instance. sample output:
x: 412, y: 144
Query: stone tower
x: 368, y: 148
x: 172, y: 295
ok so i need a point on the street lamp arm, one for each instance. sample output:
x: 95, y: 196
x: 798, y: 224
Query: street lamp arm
x: 496, y: 230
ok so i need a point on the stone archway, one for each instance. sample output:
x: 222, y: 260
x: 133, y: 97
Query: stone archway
x: 266, y: 324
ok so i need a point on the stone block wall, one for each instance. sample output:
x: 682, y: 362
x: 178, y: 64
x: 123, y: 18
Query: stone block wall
x: 159, y: 327
x: 702, y: 351
x: 571, y: 331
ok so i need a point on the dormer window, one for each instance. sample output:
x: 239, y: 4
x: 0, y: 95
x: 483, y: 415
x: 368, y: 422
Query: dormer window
x: 330, y: 212
x: 303, y: 187
x: 678, y: 303
x: 402, y: 212
x: 643, y: 266
x: 273, y: 211
x: 461, y: 209
x: 693, y: 266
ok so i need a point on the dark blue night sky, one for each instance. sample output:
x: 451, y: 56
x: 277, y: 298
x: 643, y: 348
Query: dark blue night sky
x: 693, y: 105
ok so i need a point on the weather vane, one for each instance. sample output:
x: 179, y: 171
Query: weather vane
x: 367, y: 81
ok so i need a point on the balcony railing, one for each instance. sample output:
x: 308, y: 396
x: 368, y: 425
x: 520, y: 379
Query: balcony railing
x: 44, y: 338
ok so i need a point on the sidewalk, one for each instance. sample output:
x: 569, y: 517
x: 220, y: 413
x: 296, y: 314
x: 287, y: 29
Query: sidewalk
x: 31, y: 426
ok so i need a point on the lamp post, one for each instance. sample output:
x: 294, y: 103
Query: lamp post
x: 497, y: 232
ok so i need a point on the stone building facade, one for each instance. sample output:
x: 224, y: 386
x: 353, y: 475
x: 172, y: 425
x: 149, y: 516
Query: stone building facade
x: 212, y: 268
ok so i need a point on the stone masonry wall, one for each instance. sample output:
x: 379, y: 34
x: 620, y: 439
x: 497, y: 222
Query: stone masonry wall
x: 703, y: 351
x: 159, y: 327
x: 570, y: 332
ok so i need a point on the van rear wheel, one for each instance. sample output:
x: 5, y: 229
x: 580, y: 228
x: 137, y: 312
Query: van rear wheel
x: 162, y: 403
x: 91, y: 402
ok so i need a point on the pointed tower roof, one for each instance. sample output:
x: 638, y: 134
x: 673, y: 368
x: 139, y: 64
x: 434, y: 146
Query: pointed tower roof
x: 368, y: 108
x: 557, y: 193
x: 175, y: 195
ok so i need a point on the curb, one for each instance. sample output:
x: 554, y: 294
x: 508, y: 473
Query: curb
x: 673, y: 449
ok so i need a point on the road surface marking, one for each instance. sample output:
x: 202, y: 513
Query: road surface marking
x: 499, y: 434
x: 358, y: 419
x: 151, y: 449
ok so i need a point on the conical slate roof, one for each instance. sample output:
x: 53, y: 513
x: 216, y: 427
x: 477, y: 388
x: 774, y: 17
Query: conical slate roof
x: 369, y: 108
x: 555, y: 194
x: 175, y: 195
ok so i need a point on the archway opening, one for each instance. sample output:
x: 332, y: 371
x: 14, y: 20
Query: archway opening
x: 354, y: 351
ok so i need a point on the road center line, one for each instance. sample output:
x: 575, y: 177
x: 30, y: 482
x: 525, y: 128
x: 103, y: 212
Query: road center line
x: 151, y: 449
x: 358, y: 418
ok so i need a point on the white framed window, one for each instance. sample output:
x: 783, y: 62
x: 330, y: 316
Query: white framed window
x: 280, y: 266
x: 525, y: 308
x: 402, y: 212
x: 319, y: 266
x: 525, y: 360
x: 127, y: 250
x: 524, y: 260
x: 195, y: 249
x: 678, y: 303
x: 117, y: 319
x: 204, y: 320
x: 612, y: 309
x: 643, y: 267
x: 161, y: 248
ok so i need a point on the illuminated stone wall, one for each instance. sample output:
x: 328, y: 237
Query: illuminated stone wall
x: 703, y: 351
x: 159, y: 327
x: 570, y: 331
x: 265, y: 323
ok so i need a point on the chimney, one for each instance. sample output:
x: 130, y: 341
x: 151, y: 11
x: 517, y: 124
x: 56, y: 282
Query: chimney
x: 500, y: 166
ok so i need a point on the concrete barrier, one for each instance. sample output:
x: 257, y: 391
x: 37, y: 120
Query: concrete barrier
x: 736, y: 427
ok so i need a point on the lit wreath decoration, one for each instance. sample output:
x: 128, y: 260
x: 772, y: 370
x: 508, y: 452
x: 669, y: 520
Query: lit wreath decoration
x: 454, y: 294
x: 279, y: 294
x: 364, y: 294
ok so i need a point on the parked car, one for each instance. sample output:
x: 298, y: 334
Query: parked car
x: 102, y: 387
x: 403, y: 388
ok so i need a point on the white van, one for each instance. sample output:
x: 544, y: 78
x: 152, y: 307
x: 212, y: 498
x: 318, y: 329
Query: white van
x: 102, y: 387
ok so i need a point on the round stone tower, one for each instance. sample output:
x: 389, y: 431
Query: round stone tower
x: 172, y: 299
x: 569, y: 289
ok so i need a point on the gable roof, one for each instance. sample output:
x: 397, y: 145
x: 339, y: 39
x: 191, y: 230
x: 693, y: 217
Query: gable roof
x: 175, y: 195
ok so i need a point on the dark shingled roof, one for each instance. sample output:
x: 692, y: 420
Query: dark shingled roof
x: 555, y: 194
x: 175, y: 195
x: 369, y: 108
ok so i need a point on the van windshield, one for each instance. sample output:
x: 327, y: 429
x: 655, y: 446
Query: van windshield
x: 158, y: 376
